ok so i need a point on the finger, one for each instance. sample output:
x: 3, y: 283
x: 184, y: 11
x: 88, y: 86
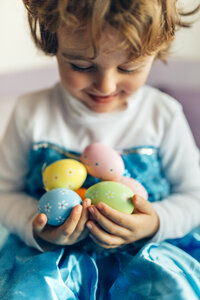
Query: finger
x: 70, y: 224
x: 85, y: 212
x: 107, y: 224
x: 99, y: 243
x: 102, y: 236
x: 119, y: 218
x: 83, y: 219
x: 39, y: 223
x: 142, y: 205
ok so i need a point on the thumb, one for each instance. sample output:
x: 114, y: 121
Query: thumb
x: 39, y: 223
x: 141, y: 205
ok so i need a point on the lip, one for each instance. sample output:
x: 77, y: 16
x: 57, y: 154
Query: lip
x: 103, y: 99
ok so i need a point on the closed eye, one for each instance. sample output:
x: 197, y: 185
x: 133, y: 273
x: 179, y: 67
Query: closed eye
x: 91, y: 68
x: 81, y: 69
x: 127, y: 71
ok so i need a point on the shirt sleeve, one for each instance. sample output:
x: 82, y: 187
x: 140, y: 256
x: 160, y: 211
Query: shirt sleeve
x: 17, y: 208
x: 179, y: 212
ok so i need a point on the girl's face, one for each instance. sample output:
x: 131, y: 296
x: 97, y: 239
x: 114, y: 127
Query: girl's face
x: 105, y: 82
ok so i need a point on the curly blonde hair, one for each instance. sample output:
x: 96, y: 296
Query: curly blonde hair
x: 148, y: 26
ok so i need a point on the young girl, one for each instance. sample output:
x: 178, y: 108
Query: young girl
x: 105, y: 50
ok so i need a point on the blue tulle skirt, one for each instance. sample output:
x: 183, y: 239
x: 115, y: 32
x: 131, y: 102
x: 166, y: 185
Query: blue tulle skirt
x: 168, y: 270
x: 156, y: 271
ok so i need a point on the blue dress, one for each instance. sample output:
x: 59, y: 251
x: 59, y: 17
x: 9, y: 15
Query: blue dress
x: 167, y: 270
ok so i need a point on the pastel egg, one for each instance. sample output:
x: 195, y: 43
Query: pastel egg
x: 102, y: 162
x: 57, y: 205
x: 114, y: 194
x: 135, y: 186
x: 64, y: 173
x: 81, y: 192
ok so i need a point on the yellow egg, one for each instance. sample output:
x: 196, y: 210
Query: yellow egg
x: 64, y: 173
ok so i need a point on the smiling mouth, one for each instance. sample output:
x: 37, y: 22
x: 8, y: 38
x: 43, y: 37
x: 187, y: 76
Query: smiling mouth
x: 103, y: 99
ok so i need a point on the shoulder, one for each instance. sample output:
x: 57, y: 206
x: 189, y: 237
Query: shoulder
x: 34, y: 105
x: 160, y: 103
x: 33, y: 110
x: 33, y: 101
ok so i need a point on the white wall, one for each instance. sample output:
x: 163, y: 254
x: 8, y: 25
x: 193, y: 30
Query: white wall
x: 187, y: 42
x: 17, y: 51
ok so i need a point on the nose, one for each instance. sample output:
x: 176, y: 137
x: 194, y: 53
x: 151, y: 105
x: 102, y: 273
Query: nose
x: 105, y: 83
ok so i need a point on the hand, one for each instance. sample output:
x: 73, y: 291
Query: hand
x: 110, y: 228
x: 71, y: 232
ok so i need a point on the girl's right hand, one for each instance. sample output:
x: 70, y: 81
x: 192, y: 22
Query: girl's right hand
x: 69, y: 233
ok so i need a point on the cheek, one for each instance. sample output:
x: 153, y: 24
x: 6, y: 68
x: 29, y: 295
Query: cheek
x: 135, y: 82
x: 72, y: 80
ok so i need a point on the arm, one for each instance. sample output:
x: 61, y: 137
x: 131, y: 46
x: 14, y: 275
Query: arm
x: 179, y: 213
x: 18, y: 211
x: 172, y: 217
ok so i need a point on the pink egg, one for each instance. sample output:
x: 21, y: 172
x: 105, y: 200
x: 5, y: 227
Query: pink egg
x: 103, y: 162
x: 135, y: 186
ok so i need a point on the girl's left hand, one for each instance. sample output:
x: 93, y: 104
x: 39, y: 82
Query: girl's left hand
x: 110, y: 228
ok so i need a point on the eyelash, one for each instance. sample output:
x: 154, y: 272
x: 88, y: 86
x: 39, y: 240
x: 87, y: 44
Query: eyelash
x: 76, y: 68
x: 91, y: 68
x: 127, y: 71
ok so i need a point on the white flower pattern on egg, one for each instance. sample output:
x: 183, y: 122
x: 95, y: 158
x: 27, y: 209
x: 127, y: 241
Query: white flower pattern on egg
x: 94, y: 194
x: 60, y: 219
x: 47, y: 207
x: 124, y: 197
x: 70, y: 172
x: 110, y: 194
x: 70, y: 185
x: 64, y: 192
x: 62, y: 205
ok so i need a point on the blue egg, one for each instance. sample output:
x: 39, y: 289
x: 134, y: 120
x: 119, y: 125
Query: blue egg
x: 57, y: 205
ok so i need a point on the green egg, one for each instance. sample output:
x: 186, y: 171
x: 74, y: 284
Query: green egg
x: 114, y: 194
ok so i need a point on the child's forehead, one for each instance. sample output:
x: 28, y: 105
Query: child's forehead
x: 110, y: 45
x: 80, y: 41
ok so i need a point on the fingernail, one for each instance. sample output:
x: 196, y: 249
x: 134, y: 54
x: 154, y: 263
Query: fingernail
x: 87, y: 202
x: 40, y: 221
x: 89, y: 225
x: 137, y: 198
x: 78, y: 208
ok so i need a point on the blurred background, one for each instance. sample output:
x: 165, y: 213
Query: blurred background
x: 23, y: 68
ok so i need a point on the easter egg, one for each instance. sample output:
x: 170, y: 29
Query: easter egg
x: 57, y: 205
x: 81, y: 192
x: 135, y: 186
x: 102, y: 162
x: 64, y: 173
x: 114, y: 194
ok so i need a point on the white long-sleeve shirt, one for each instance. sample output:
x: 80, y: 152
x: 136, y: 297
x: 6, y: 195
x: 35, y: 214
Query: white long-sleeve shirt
x: 151, y: 119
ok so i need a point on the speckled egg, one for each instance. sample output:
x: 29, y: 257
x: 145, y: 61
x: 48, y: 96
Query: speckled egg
x: 114, y: 194
x: 64, y: 173
x: 135, y: 186
x: 57, y: 205
x: 102, y: 162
